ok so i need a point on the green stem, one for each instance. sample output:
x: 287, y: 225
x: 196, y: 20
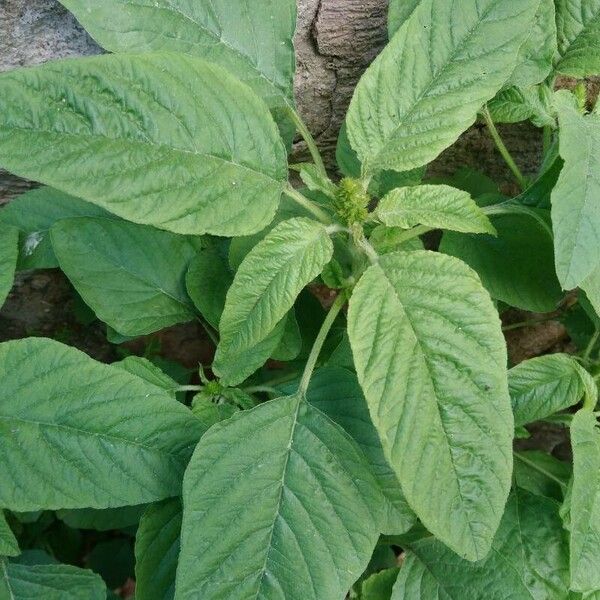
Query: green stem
x: 512, y: 165
x: 189, y: 388
x: 309, y: 139
x: 262, y: 388
x: 412, y: 233
x: 590, y: 347
x: 209, y: 330
x: 530, y: 323
x: 320, y: 340
x: 309, y: 205
x: 539, y: 469
x: 546, y: 139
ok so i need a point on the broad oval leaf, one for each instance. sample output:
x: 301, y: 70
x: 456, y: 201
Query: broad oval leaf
x: 157, y: 550
x: 132, y: 276
x: 252, y: 40
x: 438, y: 206
x: 585, y: 503
x: 428, y: 84
x: 50, y: 582
x: 336, y: 392
x: 9, y: 253
x: 575, y: 207
x: 578, y: 23
x: 75, y: 433
x: 528, y: 561
x: 311, y: 534
x: 544, y: 385
x: 431, y: 359
x: 161, y: 139
x: 264, y: 289
x: 8, y: 543
x: 398, y: 12
x: 33, y: 214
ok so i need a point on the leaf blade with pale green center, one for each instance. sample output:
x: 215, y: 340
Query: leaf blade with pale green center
x: 430, y: 357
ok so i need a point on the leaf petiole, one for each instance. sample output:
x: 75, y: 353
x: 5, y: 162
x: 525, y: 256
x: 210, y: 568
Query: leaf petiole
x: 309, y: 139
x: 308, y: 204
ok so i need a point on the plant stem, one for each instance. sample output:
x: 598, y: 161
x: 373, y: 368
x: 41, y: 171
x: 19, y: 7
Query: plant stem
x: 503, y: 149
x: 412, y: 233
x: 530, y: 323
x: 309, y: 139
x: 590, y: 347
x: 189, y: 388
x: 539, y: 469
x: 209, y: 330
x: 309, y: 205
x: 547, y: 139
x: 320, y: 340
x: 262, y: 388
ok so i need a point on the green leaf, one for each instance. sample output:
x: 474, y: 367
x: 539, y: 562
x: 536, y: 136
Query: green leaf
x: 264, y: 290
x: 438, y: 206
x: 428, y: 84
x: 535, y: 58
x: 541, y: 474
x: 9, y: 252
x: 102, y: 520
x: 391, y: 239
x: 157, y: 550
x: 544, y: 385
x: 585, y: 503
x: 160, y: 139
x: 516, y: 266
x: 290, y: 345
x: 398, y: 12
x: 8, y: 542
x: 336, y: 392
x: 75, y: 433
x: 514, y: 105
x: 575, y: 212
x: 317, y: 522
x: 430, y: 357
x: 252, y: 40
x: 578, y: 23
x: 132, y: 276
x: 529, y: 560
x: 49, y: 582
x: 149, y: 372
x: 33, y: 214
x: 379, y: 586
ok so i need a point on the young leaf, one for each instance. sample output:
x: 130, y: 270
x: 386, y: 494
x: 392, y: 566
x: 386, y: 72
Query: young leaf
x: 252, y: 40
x: 428, y: 84
x: 132, y: 276
x: 575, y: 208
x: 544, y: 385
x: 317, y: 522
x: 379, y: 586
x: 157, y: 550
x: 264, y: 290
x: 8, y: 543
x: 336, y: 392
x: 34, y: 213
x: 534, y: 62
x: 438, y: 206
x: 50, y: 582
x: 160, y: 139
x: 514, y: 105
x: 80, y: 434
x: 578, y: 23
x: 529, y: 560
x: 516, y: 266
x: 585, y: 503
x: 9, y: 252
x: 430, y: 357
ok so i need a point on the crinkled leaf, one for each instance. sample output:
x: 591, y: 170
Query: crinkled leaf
x: 336, y: 392
x: 33, y: 214
x: 514, y: 105
x: 313, y: 531
x: 516, y: 266
x: 544, y: 385
x: 264, y: 289
x: 132, y: 276
x: 49, y: 582
x: 77, y: 434
x: 428, y: 84
x: 438, y: 206
x: 575, y: 206
x: 252, y: 40
x: 157, y: 550
x: 430, y: 357
x: 529, y: 560
x: 162, y: 139
x: 578, y: 23
x: 9, y: 252
x: 585, y: 503
x: 8, y: 542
